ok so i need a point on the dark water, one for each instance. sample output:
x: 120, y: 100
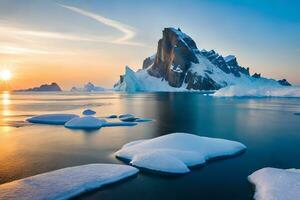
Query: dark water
x: 269, y: 128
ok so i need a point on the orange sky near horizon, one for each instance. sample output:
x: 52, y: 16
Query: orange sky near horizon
x: 72, y: 43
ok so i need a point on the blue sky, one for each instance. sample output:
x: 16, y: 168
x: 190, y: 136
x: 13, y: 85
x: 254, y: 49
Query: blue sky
x: 84, y: 36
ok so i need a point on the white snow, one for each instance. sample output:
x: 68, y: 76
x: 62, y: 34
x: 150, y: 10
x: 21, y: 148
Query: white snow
x: 255, y: 90
x: 174, y: 153
x: 65, y: 183
x: 87, y: 122
x: 276, y: 184
x: 56, y: 119
x: 141, y: 81
x: 229, y: 58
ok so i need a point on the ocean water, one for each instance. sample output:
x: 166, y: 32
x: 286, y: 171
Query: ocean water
x: 269, y: 128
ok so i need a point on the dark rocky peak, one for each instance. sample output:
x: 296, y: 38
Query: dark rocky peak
x: 53, y: 87
x: 284, y: 82
x: 256, y: 75
x: 175, y: 53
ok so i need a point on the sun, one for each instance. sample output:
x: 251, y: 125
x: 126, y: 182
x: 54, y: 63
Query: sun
x: 5, y: 75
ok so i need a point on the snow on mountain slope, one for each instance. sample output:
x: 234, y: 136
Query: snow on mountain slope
x: 178, y: 65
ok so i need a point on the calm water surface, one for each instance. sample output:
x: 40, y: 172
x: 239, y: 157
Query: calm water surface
x: 267, y: 126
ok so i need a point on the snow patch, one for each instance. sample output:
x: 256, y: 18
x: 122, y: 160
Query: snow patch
x: 87, y: 122
x: 273, y: 183
x: 169, y: 153
x: 65, y: 183
x: 258, y: 91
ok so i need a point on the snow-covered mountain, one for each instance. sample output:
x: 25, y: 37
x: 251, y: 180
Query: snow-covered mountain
x: 89, y: 87
x: 179, y: 65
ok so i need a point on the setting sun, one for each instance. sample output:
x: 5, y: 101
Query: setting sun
x: 5, y: 75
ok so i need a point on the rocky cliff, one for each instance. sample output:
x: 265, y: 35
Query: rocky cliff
x: 180, y: 63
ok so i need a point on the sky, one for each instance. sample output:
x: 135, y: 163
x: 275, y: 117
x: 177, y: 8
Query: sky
x: 72, y: 42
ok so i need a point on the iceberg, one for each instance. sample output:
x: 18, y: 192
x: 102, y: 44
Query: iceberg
x: 65, y: 183
x: 258, y: 91
x: 89, y: 87
x: 54, y: 119
x: 273, y: 183
x: 87, y: 122
x: 174, y: 153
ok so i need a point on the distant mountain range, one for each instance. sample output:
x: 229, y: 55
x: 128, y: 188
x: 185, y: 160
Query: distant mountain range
x: 89, y: 87
x: 179, y: 65
x: 53, y: 87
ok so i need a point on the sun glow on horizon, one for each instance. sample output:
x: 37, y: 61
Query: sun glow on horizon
x: 5, y: 75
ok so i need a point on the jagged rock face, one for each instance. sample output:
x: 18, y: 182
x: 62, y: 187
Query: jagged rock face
x: 175, y: 53
x: 179, y: 63
x: 284, y: 82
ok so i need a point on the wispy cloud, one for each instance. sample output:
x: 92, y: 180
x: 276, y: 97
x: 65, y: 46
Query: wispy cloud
x: 13, y: 31
x: 11, y: 49
x: 128, y: 31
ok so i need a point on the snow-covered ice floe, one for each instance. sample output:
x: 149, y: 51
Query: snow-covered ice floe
x: 258, y: 91
x: 87, y: 122
x: 56, y: 119
x: 65, y: 183
x: 174, y: 153
x: 276, y: 184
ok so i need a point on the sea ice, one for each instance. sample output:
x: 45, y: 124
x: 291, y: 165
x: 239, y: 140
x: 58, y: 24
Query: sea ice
x: 87, y: 122
x: 65, y: 183
x: 109, y: 124
x: 258, y: 91
x: 112, y: 116
x: 56, y: 119
x: 143, y: 120
x: 276, y: 184
x: 88, y: 112
x: 127, y: 118
x: 174, y: 153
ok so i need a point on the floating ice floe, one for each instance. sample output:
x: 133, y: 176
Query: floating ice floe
x: 127, y: 118
x: 276, y: 184
x: 88, y: 112
x: 143, y: 120
x: 112, y: 116
x: 258, y: 91
x: 87, y: 122
x: 109, y: 124
x: 65, y: 183
x: 174, y: 153
x: 56, y: 119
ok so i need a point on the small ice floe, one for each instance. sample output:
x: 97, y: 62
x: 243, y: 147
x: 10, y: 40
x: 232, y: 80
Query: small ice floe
x: 88, y: 112
x: 65, y: 183
x: 86, y: 123
x: 55, y: 119
x: 273, y: 183
x: 127, y: 118
x: 143, y: 120
x: 174, y: 153
x: 112, y: 116
x: 109, y: 124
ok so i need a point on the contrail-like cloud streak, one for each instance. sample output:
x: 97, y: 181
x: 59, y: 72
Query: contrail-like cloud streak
x: 128, y: 31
